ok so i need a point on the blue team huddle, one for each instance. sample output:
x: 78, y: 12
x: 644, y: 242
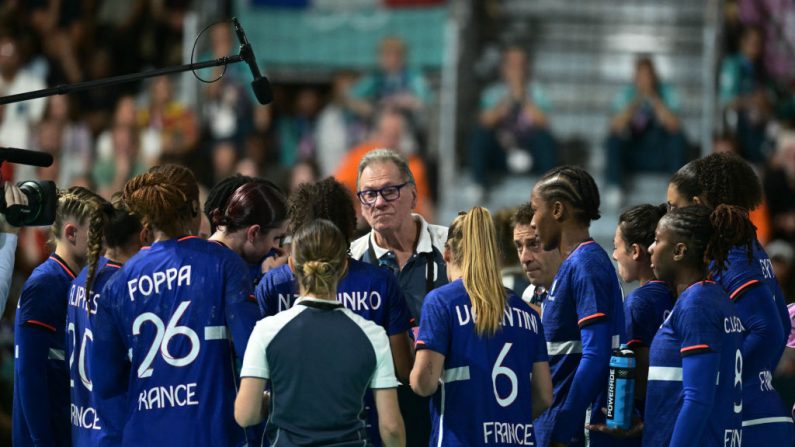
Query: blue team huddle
x: 285, y: 329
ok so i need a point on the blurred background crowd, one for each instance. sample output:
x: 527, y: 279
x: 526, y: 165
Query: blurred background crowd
x: 480, y: 95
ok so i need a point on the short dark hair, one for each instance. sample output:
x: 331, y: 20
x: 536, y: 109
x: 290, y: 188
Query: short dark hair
x: 523, y: 215
x: 639, y: 223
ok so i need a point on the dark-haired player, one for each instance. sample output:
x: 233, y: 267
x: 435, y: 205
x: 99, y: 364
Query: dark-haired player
x: 165, y: 320
x: 266, y: 209
x: 41, y: 377
x: 96, y: 422
x: 695, y: 390
x: 750, y: 282
x: 369, y: 291
x: 583, y: 315
x: 252, y: 224
x: 646, y: 307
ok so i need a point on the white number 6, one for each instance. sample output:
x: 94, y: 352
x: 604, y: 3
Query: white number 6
x: 500, y: 370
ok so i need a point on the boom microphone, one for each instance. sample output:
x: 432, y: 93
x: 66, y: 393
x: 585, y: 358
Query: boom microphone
x: 260, y: 84
x: 25, y: 157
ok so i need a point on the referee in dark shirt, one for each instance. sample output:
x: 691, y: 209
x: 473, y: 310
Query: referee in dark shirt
x: 319, y: 358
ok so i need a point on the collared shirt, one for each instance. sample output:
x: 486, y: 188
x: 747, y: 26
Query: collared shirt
x: 425, y: 269
x: 289, y: 348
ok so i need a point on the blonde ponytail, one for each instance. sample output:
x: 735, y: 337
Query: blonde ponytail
x: 473, y: 242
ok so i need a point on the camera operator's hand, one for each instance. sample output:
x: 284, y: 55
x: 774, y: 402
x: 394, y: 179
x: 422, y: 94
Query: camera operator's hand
x: 13, y: 196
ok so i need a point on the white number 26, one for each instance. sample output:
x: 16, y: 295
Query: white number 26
x: 162, y: 338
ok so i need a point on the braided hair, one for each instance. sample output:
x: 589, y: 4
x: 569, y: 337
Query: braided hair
x: 81, y: 204
x: 711, y: 234
x: 730, y: 180
x: 574, y: 186
x: 720, y: 179
x: 164, y: 198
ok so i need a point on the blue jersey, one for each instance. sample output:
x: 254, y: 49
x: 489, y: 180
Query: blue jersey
x: 741, y: 274
x: 585, y: 291
x: 702, y: 320
x: 485, y: 395
x: 645, y: 310
x: 254, y: 270
x: 760, y: 305
x: 90, y: 425
x: 41, y: 396
x: 369, y: 291
x: 162, y: 333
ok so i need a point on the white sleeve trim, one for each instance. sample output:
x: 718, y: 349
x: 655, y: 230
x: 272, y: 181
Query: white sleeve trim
x: 255, y: 360
x: 8, y: 248
x: 384, y: 374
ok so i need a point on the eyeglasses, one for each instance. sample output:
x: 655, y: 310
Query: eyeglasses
x: 389, y: 193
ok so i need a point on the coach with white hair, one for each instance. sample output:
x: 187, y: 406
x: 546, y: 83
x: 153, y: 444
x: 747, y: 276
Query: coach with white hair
x: 405, y: 243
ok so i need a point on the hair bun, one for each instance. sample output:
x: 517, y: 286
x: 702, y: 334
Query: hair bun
x: 319, y: 268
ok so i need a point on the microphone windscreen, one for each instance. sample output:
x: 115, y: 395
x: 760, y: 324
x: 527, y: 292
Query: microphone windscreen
x: 25, y: 157
x: 262, y: 90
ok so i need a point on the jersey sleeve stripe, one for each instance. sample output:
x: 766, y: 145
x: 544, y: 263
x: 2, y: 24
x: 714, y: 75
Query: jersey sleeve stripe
x: 591, y: 319
x: 44, y: 325
x: 695, y: 349
x: 635, y: 342
x: 743, y: 288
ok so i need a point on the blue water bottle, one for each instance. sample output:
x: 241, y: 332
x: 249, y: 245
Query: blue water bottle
x: 621, y: 388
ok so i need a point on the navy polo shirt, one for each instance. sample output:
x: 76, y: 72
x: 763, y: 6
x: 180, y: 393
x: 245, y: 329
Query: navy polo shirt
x: 319, y: 358
x: 423, y: 272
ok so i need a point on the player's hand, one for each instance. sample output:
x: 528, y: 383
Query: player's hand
x: 633, y: 432
x: 272, y: 262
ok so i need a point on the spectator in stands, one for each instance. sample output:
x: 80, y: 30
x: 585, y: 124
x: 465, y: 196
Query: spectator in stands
x: 779, y: 186
x: 390, y: 133
x: 111, y: 173
x: 304, y: 172
x: 782, y: 255
x: 645, y: 130
x: 392, y: 85
x: 406, y: 244
x: 227, y: 102
x: 225, y: 158
x: 297, y: 130
x: 171, y: 131
x: 18, y: 118
x: 513, y: 126
x: 338, y: 126
x: 76, y: 143
x: 744, y: 95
